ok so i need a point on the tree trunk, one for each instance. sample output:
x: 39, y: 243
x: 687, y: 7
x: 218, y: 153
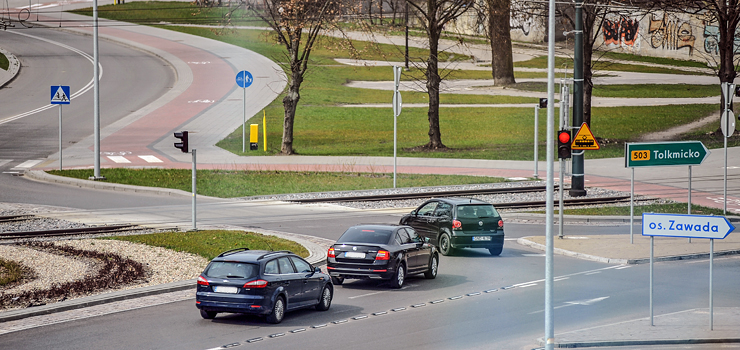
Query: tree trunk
x: 290, y: 101
x: 502, y: 61
x: 433, y: 82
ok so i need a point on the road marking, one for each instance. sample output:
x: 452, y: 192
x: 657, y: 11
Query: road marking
x: 533, y: 254
x: 366, y: 295
x: 119, y: 159
x: 623, y: 267
x: 27, y: 164
x: 585, y: 302
x: 527, y: 285
x: 561, y: 279
x: 592, y: 273
x: 151, y: 159
x: 5, y: 161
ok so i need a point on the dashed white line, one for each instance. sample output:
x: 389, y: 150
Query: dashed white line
x: 27, y: 164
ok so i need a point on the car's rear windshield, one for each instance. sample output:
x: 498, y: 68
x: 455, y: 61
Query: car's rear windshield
x: 366, y: 235
x: 476, y: 211
x: 231, y: 269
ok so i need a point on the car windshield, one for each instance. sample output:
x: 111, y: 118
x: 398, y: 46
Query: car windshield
x: 231, y: 269
x: 476, y: 211
x: 366, y: 235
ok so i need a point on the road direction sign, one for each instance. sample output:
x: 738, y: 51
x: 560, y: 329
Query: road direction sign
x: 584, y: 139
x: 60, y: 95
x: 664, y: 153
x: 244, y: 79
x: 690, y: 226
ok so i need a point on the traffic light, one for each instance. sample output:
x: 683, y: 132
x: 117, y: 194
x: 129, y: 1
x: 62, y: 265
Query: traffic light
x: 183, y: 136
x: 563, y: 144
x: 543, y: 103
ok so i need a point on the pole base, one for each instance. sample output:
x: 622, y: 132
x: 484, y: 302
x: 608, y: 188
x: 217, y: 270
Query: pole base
x: 577, y: 193
x: 93, y: 178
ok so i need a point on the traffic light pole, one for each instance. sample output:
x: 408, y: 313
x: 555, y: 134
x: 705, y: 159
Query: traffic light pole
x: 577, y: 180
x: 194, y: 188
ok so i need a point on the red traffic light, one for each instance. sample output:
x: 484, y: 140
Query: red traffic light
x: 564, y: 136
x: 563, y: 144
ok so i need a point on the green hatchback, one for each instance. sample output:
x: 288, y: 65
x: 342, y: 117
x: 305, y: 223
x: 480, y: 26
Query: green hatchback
x: 452, y: 223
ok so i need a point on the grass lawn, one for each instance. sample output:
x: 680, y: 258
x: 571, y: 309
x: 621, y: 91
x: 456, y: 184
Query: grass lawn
x: 10, y: 272
x: 671, y: 208
x: 211, y: 243
x: 243, y: 183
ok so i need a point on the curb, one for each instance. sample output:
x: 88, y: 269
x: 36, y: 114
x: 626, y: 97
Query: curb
x: 40, y: 175
x: 14, y: 66
x: 594, y: 344
x: 525, y: 242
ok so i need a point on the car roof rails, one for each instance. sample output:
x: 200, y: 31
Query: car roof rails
x: 233, y: 251
x: 275, y: 252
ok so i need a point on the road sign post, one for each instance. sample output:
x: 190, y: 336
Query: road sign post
x: 397, y: 105
x: 244, y: 79
x: 60, y: 96
x: 670, y: 153
x: 691, y: 226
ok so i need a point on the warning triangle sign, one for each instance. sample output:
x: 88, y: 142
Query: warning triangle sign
x: 584, y: 139
x: 60, y: 96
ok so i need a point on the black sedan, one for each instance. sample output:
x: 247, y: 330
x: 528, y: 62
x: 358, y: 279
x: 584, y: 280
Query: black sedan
x: 384, y: 252
x: 452, y: 223
x: 261, y: 283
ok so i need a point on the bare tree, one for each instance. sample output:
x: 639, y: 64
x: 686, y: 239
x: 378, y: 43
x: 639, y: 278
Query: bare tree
x: 499, y: 33
x: 433, y: 16
x: 296, y: 25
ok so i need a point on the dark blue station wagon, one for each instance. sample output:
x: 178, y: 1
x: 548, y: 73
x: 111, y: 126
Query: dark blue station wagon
x: 261, y: 283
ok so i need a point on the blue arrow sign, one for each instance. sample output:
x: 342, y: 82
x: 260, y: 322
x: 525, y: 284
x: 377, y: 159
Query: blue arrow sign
x: 244, y: 79
x: 60, y: 95
x: 690, y: 226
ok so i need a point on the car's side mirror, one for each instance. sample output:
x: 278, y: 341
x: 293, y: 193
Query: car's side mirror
x: 317, y: 269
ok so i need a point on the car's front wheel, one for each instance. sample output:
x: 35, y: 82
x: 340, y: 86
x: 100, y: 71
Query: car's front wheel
x: 325, y: 301
x: 208, y: 315
x: 432, y: 271
x: 278, y: 311
x: 399, y: 278
x: 445, y: 245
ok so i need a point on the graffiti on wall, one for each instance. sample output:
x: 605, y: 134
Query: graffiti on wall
x: 711, y: 39
x: 620, y: 32
x: 671, y: 33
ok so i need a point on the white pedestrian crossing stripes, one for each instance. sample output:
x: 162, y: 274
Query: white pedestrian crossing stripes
x: 151, y: 159
x: 27, y: 164
x: 124, y: 160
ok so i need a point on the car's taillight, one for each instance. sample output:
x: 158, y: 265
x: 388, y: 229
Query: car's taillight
x: 256, y: 284
x: 202, y: 281
x: 501, y: 223
x: 330, y: 253
x: 456, y: 224
x: 383, y: 255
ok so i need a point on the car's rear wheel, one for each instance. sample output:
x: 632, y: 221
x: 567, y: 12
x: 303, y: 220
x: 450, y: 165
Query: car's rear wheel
x: 208, y: 315
x: 496, y: 251
x: 445, y: 245
x: 325, y: 301
x: 399, y: 277
x: 278, y: 311
x: 432, y: 271
x: 337, y: 280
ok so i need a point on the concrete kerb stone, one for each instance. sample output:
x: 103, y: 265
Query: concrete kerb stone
x: 14, y: 66
x: 40, y: 175
x: 595, y: 344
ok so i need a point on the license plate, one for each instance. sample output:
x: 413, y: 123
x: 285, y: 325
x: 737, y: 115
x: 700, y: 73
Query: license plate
x: 481, y: 238
x: 225, y: 289
x: 354, y: 255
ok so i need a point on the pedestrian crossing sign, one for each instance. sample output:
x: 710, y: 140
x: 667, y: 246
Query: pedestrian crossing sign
x: 584, y: 139
x: 60, y: 95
